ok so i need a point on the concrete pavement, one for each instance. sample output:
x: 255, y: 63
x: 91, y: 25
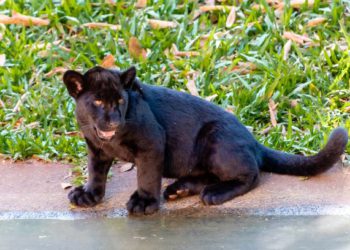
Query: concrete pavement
x: 32, y: 189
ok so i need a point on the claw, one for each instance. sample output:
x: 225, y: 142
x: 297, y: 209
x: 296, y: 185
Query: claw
x: 172, y: 196
x: 180, y: 192
x: 183, y: 192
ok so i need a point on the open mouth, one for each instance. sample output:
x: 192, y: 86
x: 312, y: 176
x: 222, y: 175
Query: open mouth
x: 105, y: 135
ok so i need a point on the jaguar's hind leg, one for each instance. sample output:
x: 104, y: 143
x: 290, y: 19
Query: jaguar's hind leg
x: 223, y: 191
x: 188, y: 186
x: 236, y: 167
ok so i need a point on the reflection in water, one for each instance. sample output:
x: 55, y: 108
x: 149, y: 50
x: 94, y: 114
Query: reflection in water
x: 229, y: 232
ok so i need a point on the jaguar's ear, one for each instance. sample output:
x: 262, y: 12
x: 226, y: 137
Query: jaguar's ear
x: 74, y: 82
x: 128, y: 76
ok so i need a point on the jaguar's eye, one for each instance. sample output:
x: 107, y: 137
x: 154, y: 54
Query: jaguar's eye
x: 98, y: 103
x: 121, y: 101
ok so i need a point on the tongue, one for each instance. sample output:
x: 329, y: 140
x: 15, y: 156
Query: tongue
x: 107, y: 133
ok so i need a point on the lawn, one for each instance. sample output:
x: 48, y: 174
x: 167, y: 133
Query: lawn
x: 282, y: 69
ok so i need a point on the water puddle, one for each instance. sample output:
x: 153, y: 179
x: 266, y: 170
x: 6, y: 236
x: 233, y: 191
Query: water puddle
x: 229, y: 232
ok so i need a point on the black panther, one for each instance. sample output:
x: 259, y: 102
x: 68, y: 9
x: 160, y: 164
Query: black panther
x: 168, y: 133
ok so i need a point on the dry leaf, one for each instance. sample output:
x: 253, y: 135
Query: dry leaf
x: 275, y: 3
x: 273, y: 112
x: 159, y: 24
x: 40, y: 158
x: 298, y: 38
x: 191, y: 73
x: 258, y: 7
x: 286, y: 49
x: 56, y: 70
x: 64, y: 49
x: 112, y: 2
x: 278, y: 14
x: 187, y: 53
x: 19, y: 103
x: 266, y: 130
x: 29, y: 20
x: 19, y: 122
x: 244, y: 68
x: 121, y: 42
x: 125, y: 167
x: 43, y: 47
x: 203, y: 39
x: 66, y: 185
x: 296, y: 4
x: 102, y: 25
x: 141, y: 4
x: 293, y: 103
x: 33, y: 125
x: 45, y: 53
x: 172, y: 66
x: 108, y: 61
x: 206, y: 8
x: 209, y: 2
x: 174, y: 48
x: 341, y: 44
x: 2, y: 60
x: 74, y: 133
x: 304, y: 178
x: 135, y: 49
x: 72, y: 206
x: 299, y: 3
x: 217, y: 35
x: 231, y: 18
x: 191, y: 85
x: 211, y: 97
x: 46, y: 47
x: 39, y: 46
x: 316, y: 21
x: 230, y: 109
x: 176, y: 52
x: 20, y: 19
x: 284, y: 131
x: 196, y: 14
x: 2, y: 104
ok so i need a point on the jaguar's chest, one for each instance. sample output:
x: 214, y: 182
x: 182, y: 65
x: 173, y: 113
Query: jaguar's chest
x: 120, y: 150
x: 120, y: 147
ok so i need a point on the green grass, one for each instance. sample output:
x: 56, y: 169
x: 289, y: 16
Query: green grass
x: 318, y: 77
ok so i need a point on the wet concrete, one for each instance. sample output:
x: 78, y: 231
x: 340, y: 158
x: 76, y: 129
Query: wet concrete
x: 225, y: 232
x: 32, y: 189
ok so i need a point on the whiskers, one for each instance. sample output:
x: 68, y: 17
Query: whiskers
x: 86, y: 126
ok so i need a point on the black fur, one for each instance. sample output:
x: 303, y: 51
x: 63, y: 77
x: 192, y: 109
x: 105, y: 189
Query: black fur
x: 173, y: 134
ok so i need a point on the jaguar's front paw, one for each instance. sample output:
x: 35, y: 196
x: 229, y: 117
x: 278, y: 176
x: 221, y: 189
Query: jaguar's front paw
x: 85, y: 197
x: 142, y: 205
